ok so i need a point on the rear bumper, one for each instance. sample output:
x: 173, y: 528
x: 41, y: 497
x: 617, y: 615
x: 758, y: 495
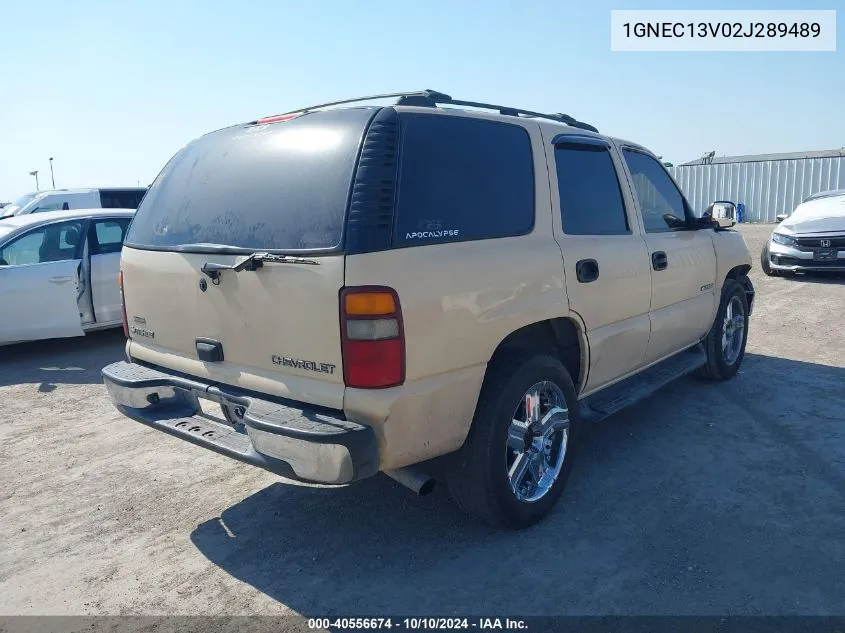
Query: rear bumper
x: 787, y: 258
x: 290, y: 439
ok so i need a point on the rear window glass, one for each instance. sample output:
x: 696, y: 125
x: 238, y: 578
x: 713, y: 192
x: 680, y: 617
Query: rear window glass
x: 281, y: 186
x: 463, y: 179
x: 121, y: 198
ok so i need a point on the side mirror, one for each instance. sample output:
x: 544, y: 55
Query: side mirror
x: 780, y: 217
x: 722, y: 214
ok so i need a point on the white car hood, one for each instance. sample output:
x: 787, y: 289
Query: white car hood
x: 826, y: 215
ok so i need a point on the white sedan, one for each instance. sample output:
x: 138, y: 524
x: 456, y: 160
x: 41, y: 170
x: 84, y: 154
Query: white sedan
x: 811, y: 238
x: 58, y: 273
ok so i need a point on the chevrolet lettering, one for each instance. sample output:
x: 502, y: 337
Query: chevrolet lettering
x: 297, y: 363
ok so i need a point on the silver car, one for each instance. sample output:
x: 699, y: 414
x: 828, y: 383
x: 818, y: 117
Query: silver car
x: 811, y: 238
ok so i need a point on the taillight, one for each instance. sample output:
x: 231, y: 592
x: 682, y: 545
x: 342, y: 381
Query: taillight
x: 123, y: 304
x: 372, y: 337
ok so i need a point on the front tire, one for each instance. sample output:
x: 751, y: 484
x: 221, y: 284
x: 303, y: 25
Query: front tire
x: 765, y: 264
x: 517, y: 458
x: 725, y: 343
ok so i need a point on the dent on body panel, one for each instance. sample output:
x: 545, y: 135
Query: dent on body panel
x: 420, y: 420
x: 522, y: 278
x: 731, y: 251
x: 615, y: 349
x: 688, y: 250
x: 524, y: 299
x: 64, y: 320
x: 480, y: 293
x: 691, y: 270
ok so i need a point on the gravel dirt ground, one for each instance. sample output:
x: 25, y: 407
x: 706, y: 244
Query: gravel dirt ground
x: 705, y: 499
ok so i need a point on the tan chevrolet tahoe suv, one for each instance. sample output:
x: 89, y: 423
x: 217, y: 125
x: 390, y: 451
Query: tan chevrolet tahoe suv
x: 418, y: 289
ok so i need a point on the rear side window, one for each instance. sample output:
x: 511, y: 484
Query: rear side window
x: 120, y: 198
x: 107, y: 236
x: 281, y: 186
x: 590, y: 198
x: 462, y: 179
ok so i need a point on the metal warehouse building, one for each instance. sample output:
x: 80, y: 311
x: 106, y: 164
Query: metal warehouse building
x: 767, y: 184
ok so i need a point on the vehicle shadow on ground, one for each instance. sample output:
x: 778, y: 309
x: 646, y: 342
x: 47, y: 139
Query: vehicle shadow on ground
x: 817, y: 278
x: 684, y: 503
x: 52, y: 362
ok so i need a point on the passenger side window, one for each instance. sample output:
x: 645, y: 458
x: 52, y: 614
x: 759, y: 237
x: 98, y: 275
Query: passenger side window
x: 463, y: 179
x: 590, y: 198
x: 661, y: 203
x: 52, y: 243
x: 106, y: 236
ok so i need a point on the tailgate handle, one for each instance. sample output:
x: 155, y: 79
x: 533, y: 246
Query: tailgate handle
x: 209, y: 350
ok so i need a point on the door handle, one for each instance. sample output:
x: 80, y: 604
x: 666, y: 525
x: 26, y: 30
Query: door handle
x: 659, y: 260
x: 59, y: 280
x: 587, y: 270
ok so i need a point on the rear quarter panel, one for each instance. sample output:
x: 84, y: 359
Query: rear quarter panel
x: 459, y: 301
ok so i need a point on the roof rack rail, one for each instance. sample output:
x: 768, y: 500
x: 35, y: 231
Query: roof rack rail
x: 427, y: 97
x: 433, y: 98
x: 507, y: 110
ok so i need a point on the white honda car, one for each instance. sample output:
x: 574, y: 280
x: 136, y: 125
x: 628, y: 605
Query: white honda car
x: 58, y: 273
x: 811, y: 238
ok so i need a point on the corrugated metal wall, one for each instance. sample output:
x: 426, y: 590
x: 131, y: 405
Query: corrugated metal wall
x: 765, y: 188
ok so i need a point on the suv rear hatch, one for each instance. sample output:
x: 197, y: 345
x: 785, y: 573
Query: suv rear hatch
x: 281, y: 188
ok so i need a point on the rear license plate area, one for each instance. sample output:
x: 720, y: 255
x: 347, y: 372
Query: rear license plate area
x: 213, y: 410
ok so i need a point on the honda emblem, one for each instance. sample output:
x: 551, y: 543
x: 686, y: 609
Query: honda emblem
x: 824, y: 243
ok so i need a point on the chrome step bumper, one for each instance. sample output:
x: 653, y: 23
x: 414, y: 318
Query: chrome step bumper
x: 290, y: 439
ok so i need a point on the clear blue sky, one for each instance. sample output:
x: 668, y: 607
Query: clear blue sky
x: 113, y: 89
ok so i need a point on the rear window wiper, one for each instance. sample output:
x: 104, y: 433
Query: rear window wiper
x: 254, y: 262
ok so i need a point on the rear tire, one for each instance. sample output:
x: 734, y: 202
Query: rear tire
x: 484, y: 479
x: 725, y: 343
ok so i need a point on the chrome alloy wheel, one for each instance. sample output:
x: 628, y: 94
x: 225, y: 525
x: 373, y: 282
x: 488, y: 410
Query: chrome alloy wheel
x: 537, y: 441
x: 733, y: 330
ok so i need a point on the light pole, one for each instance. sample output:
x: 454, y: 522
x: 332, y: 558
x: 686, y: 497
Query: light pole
x: 52, y: 177
x: 35, y: 173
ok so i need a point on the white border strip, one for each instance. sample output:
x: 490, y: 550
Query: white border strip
x: 723, y: 30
